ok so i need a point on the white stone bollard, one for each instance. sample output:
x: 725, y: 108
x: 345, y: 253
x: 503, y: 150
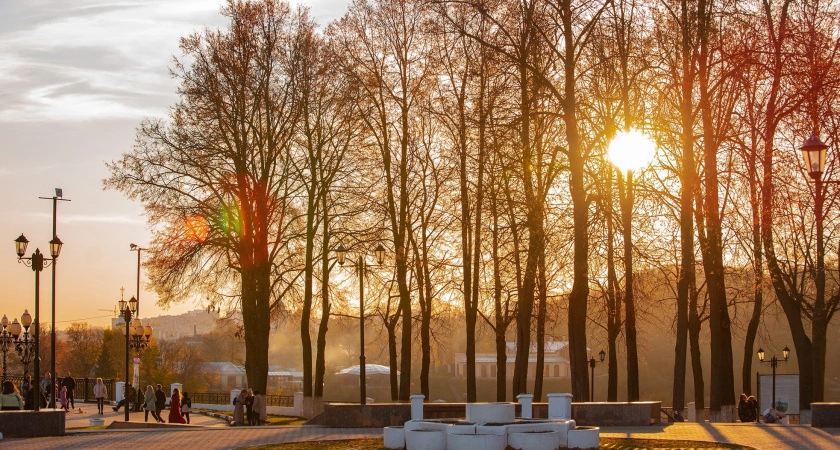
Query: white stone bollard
x: 172, y: 387
x: 120, y: 388
x: 417, y: 406
x: 560, y: 406
x: 525, y: 401
x: 692, y: 412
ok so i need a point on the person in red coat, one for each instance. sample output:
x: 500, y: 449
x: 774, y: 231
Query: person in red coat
x: 175, y: 408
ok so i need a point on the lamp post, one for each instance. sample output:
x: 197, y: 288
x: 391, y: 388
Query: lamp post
x: 137, y: 337
x: 341, y: 253
x: 58, y: 196
x: 602, y: 354
x: 136, y: 248
x: 37, y: 262
x: 774, y: 362
x: 6, y: 341
x: 24, y: 334
x: 630, y: 150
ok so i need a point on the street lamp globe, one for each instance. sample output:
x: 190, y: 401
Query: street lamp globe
x: 380, y: 253
x: 4, y: 321
x: 631, y: 150
x: 786, y: 352
x: 123, y: 304
x: 760, y: 354
x: 15, y: 328
x: 603, y: 355
x: 813, y: 152
x: 26, y: 319
x: 148, y: 331
x: 341, y: 253
x: 132, y: 304
x: 20, y: 245
x: 55, y: 247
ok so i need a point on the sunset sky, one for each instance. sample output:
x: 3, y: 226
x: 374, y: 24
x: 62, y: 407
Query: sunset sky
x: 76, y: 78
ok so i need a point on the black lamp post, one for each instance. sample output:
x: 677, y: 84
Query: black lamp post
x: 137, y: 337
x: 24, y: 341
x: 37, y: 262
x: 341, y: 253
x: 774, y: 362
x: 136, y: 248
x: 6, y: 341
x: 602, y: 354
x: 55, y: 199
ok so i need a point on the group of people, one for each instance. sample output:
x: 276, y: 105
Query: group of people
x: 248, y: 407
x: 63, y: 394
x: 153, y: 402
x: 748, y: 411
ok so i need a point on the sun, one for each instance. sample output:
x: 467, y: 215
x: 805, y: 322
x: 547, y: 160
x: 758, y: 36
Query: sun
x: 631, y: 150
x: 197, y: 228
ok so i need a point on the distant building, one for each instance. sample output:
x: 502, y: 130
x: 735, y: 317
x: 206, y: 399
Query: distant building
x: 227, y: 375
x: 192, y: 323
x: 556, y: 361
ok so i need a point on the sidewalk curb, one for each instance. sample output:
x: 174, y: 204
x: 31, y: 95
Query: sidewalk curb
x: 226, y: 417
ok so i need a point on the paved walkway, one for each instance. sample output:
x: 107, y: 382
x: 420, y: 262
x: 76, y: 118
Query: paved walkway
x: 211, y: 434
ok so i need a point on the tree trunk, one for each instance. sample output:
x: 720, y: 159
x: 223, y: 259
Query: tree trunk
x: 320, y: 358
x: 256, y: 319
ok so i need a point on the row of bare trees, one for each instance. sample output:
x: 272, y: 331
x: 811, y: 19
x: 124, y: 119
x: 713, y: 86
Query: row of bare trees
x: 471, y: 137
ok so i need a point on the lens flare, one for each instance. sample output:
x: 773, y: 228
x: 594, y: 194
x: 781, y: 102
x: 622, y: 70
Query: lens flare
x: 196, y: 228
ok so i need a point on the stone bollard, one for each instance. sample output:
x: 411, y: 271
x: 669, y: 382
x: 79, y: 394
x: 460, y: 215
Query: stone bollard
x: 525, y: 401
x: 692, y: 412
x: 120, y: 391
x: 176, y: 385
x: 560, y: 406
x: 417, y: 406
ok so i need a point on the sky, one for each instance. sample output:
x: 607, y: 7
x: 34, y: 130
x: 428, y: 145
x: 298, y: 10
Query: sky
x: 76, y: 79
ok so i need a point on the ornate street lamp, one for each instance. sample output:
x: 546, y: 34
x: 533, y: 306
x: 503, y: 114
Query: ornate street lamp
x: 774, y: 362
x: 6, y: 341
x: 361, y: 267
x: 602, y: 355
x: 24, y: 340
x: 137, y: 337
x: 37, y: 262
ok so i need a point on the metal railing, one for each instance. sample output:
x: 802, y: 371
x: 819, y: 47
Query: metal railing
x: 223, y: 398
x: 84, y: 386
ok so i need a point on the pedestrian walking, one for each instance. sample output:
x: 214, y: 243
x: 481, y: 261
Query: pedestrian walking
x: 62, y: 399
x: 47, y: 389
x: 70, y: 383
x: 259, y: 408
x: 26, y: 392
x: 186, y: 406
x: 175, y: 407
x: 149, y: 401
x: 10, y: 399
x: 160, y: 402
x: 100, y: 393
x: 239, y: 408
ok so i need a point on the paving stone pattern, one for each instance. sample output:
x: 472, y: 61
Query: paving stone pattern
x: 210, y: 433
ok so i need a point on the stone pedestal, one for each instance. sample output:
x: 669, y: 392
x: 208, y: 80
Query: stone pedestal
x: 417, y: 406
x: 560, y: 406
x: 525, y: 401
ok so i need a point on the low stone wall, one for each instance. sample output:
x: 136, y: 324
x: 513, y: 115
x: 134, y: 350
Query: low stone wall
x: 603, y: 414
x: 32, y: 423
x: 825, y: 415
x: 349, y: 415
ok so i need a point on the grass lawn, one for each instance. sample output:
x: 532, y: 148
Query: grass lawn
x: 606, y: 444
x: 270, y: 419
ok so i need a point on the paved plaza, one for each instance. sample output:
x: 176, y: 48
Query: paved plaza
x: 207, y: 433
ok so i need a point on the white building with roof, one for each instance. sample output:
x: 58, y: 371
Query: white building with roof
x: 486, y: 365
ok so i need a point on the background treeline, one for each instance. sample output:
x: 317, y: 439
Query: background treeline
x: 469, y: 138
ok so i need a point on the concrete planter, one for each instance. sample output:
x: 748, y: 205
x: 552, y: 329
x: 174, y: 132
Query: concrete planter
x: 425, y: 440
x: 584, y: 437
x: 394, y: 437
x: 97, y: 422
x: 534, y: 440
x: 476, y: 441
x: 491, y: 412
x: 560, y: 406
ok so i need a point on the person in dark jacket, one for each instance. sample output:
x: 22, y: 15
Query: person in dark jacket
x: 744, y: 409
x: 160, y: 402
x: 70, y: 384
